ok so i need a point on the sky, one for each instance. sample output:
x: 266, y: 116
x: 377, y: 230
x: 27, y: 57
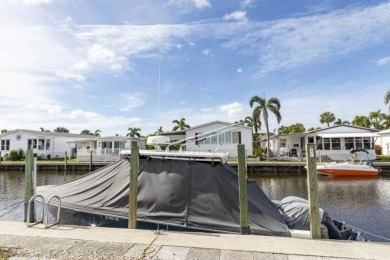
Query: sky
x: 111, y: 64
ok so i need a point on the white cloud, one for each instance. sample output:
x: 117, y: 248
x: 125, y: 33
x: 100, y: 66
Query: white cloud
x: 199, y: 4
x: 81, y: 114
x: 239, y: 16
x: 68, y: 75
x: 206, y: 109
x: 133, y: 101
x: 192, y: 44
x: 383, y: 61
x: 206, y: 52
x: 239, y: 70
x: 45, y: 107
x: 233, y: 110
x: 246, y: 4
x: 34, y: 2
x: 98, y: 54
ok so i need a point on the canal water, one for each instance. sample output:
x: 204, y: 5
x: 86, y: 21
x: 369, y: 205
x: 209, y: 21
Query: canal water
x: 361, y: 202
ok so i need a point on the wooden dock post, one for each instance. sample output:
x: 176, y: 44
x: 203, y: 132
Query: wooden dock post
x: 133, y: 192
x: 90, y: 162
x: 312, y: 186
x: 66, y: 161
x: 242, y: 171
x: 28, y: 184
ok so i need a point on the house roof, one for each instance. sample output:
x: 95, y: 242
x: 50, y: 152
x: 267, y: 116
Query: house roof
x: 219, y: 122
x: 44, y: 133
x: 182, y: 132
x: 336, y: 126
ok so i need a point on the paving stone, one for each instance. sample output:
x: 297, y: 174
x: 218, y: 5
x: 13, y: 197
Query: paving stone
x: 203, y: 254
x: 137, y: 251
x: 115, y: 249
x: 303, y: 257
x: 233, y: 255
x: 268, y: 256
x: 172, y: 253
x: 86, y: 247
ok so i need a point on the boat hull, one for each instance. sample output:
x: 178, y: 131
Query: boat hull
x: 347, y: 170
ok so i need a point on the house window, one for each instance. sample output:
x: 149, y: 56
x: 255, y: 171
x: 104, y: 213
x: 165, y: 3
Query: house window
x: 5, y: 145
x: 336, y: 144
x: 228, y: 137
x: 41, y: 144
x: 349, y: 144
x: 133, y: 143
x: 326, y: 143
x: 47, y: 144
x: 106, y: 145
x: 358, y: 143
x: 32, y: 143
x: 235, y: 138
x: 283, y: 143
x: 318, y: 143
x: 221, y: 138
x: 367, y: 143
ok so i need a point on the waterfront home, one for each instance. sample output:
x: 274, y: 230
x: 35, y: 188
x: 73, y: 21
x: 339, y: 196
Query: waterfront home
x: 384, y: 141
x: 44, y: 144
x: 334, y: 142
x: 106, y: 148
x: 219, y: 136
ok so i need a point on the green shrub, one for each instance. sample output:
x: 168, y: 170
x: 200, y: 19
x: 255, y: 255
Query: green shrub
x: 257, y: 152
x: 16, y: 155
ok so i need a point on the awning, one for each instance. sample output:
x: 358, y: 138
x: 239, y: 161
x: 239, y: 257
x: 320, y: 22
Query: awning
x: 336, y: 135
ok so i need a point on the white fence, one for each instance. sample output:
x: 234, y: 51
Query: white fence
x: 102, y: 155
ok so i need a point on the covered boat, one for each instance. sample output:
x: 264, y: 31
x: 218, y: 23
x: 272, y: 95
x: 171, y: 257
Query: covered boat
x: 365, y: 168
x: 191, y: 192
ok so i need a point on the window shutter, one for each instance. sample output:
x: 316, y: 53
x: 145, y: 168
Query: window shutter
x: 239, y: 137
x: 196, y: 138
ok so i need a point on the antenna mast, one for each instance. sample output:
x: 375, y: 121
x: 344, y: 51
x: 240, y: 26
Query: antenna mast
x: 158, y: 96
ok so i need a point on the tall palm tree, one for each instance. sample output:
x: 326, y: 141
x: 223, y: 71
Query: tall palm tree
x: 4, y: 131
x: 376, y: 118
x: 341, y: 122
x: 61, y: 129
x: 387, y: 99
x: 264, y: 107
x: 248, y: 121
x: 180, y: 124
x: 97, y: 133
x: 134, y: 132
x: 327, y: 118
x: 85, y: 132
x: 361, y: 121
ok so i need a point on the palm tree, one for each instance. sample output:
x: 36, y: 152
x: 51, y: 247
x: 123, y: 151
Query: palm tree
x: 376, y: 118
x: 248, y: 121
x: 361, y: 121
x: 327, y: 118
x: 61, y: 129
x: 341, y: 122
x: 180, y: 124
x: 86, y: 132
x: 387, y: 99
x: 134, y: 132
x: 4, y: 131
x: 159, y: 130
x: 42, y: 129
x: 264, y: 107
x: 97, y: 133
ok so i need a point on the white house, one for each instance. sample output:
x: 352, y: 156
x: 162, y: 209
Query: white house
x: 219, y: 136
x: 334, y: 142
x: 384, y: 141
x: 106, y: 148
x: 44, y: 144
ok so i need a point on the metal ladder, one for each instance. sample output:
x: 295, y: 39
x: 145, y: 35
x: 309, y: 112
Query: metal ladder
x: 45, y: 211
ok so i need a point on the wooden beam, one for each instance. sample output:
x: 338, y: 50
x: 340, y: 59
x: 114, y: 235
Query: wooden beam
x: 28, y: 184
x: 133, y: 192
x: 242, y: 189
x: 312, y: 186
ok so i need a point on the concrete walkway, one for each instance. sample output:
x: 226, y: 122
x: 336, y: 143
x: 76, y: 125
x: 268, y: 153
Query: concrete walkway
x: 70, y: 242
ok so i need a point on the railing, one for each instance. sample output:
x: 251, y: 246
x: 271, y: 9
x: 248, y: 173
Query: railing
x: 100, y: 151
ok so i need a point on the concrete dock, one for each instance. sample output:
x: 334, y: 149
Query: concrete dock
x: 71, y: 242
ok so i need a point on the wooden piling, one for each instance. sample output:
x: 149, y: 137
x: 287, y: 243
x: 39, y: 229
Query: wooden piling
x: 90, y: 162
x: 312, y: 186
x: 133, y: 192
x: 28, y: 184
x: 242, y: 172
x: 65, y: 161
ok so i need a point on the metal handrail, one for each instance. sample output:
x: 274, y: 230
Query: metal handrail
x: 47, y: 211
x: 29, y: 210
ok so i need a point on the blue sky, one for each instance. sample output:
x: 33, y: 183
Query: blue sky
x: 87, y: 64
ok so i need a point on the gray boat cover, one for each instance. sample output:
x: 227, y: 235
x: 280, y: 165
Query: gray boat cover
x: 188, y: 193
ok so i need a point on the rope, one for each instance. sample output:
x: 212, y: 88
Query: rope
x: 366, y: 232
x: 14, y: 207
x: 149, y: 249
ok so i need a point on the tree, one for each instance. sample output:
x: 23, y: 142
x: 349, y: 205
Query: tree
x: 4, y: 131
x: 341, y: 122
x: 376, y: 119
x: 180, y: 124
x: 97, y: 133
x: 361, y: 121
x: 42, y: 129
x: 327, y: 118
x: 292, y: 129
x: 159, y: 130
x: 264, y: 107
x: 387, y: 99
x: 134, y: 132
x: 86, y: 132
x: 61, y: 129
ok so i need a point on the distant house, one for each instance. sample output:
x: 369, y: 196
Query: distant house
x: 334, y: 142
x: 44, y: 144
x: 219, y: 136
x: 106, y: 148
x: 384, y: 141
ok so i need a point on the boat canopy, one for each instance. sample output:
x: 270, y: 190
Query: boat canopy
x: 336, y: 135
x: 193, y: 194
